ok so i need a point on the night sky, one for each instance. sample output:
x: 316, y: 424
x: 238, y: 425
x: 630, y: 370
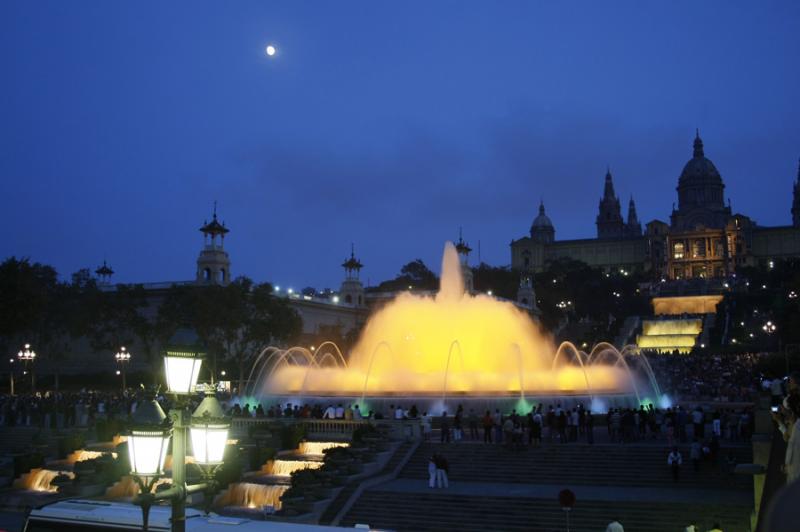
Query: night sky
x: 387, y: 124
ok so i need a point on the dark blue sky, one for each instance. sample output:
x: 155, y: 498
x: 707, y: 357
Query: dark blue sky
x: 383, y: 123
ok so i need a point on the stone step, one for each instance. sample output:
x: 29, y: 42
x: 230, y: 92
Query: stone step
x: 584, y: 465
x: 437, y: 511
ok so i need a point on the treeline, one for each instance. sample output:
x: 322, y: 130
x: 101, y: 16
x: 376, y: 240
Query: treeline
x: 233, y: 322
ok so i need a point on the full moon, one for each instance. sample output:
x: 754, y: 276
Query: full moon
x: 271, y: 50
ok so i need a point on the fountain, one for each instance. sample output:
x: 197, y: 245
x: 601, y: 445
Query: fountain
x: 126, y: 488
x: 251, y: 496
x: 285, y: 468
x: 41, y: 480
x: 318, y: 447
x: 452, y: 345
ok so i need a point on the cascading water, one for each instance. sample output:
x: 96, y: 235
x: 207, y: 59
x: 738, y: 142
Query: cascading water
x: 82, y: 455
x: 40, y: 480
x: 406, y: 349
x: 284, y: 468
x: 318, y: 447
x: 127, y: 488
x: 248, y: 495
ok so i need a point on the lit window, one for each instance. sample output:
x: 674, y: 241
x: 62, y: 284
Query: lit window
x: 677, y: 250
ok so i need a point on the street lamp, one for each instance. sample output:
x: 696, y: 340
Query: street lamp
x: 123, y: 357
x: 28, y: 356
x: 182, y: 368
x: 209, y: 434
x: 769, y: 327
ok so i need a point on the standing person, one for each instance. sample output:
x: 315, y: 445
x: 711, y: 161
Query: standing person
x: 442, y: 472
x: 698, y: 422
x: 488, y: 423
x: 674, y: 460
x: 444, y: 427
x: 614, y: 526
x: 562, y: 427
x: 472, y: 421
x: 589, y: 427
x: 457, y: 432
x: 497, y: 419
x: 432, y: 471
x: 427, y: 426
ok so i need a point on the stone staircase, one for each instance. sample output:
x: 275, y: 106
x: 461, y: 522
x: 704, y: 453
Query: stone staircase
x: 17, y: 439
x: 440, y: 511
x: 341, y: 499
x: 577, y: 464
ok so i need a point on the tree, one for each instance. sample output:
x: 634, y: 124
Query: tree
x: 415, y: 274
x: 234, y: 321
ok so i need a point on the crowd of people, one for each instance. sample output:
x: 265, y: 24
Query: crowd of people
x: 700, y: 376
x: 51, y: 409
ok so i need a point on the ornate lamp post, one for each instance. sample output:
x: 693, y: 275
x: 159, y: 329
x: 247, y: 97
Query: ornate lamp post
x: 209, y: 433
x: 123, y: 357
x: 28, y: 356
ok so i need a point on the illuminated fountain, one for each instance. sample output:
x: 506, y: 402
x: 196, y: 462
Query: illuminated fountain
x: 318, y: 447
x: 126, y: 488
x: 42, y: 480
x: 251, y: 496
x: 452, y: 344
x: 285, y: 468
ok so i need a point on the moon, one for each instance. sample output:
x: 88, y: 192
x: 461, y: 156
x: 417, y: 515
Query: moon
x: 271, y: 50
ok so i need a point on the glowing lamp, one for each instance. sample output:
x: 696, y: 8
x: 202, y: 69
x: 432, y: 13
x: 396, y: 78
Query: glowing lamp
x: 182, y: 368
x: 148, y: 440
x: 209, y: 432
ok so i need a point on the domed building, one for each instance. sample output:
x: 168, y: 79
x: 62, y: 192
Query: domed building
x: 704, y: 238
x: 542, y: 229
x: 700, y: 194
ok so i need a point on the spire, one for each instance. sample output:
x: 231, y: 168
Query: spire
x: 541, y: 207
x: 352, y: 265
x: 698, y: 145
x: 632, y: 218
x: 608, y: 190
x: 214, y: 228
x: 461, y: 246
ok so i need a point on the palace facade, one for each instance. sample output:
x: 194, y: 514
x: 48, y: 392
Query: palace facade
x: 703, y: 239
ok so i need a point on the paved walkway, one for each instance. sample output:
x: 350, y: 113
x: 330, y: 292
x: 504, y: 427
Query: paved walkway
x: 679, y: 493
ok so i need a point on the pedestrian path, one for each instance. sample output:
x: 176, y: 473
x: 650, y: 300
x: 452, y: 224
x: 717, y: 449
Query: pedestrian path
x: 676, y: 493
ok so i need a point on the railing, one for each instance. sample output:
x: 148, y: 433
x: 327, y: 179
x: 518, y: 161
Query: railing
x: 241, y: 426
x: 333, y: 428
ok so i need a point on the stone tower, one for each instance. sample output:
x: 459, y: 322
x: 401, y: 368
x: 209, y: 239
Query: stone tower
x: 609, y: 217
x: 526, y: 295
x: 796, y: 200
x: 633, y: 227
x: 463, y: 256
x: 352, y: 291
x: 213, y: 264
x: 104, y: 274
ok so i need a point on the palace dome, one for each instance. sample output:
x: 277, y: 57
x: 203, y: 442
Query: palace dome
x: 699, y: 170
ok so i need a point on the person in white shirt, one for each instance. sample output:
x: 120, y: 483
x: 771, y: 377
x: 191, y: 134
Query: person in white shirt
x: 674, y: 460
x: 432, y: 472
x: 398, y: 413
x: 330, y: 413
x: 357, y: 412
x: 340, y: 412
